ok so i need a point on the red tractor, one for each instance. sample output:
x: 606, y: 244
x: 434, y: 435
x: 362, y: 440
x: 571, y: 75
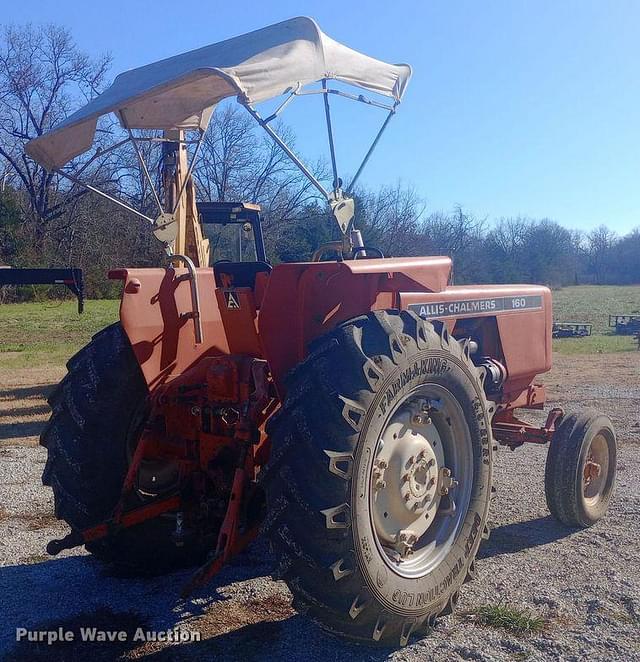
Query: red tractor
x: 348, y: 408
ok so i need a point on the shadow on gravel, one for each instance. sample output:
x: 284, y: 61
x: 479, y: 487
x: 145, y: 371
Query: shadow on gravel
x: 25, y: 392
x: 516, y: 537
x: 75, y: 592
x: 20, y: 430
x: 293, y: 639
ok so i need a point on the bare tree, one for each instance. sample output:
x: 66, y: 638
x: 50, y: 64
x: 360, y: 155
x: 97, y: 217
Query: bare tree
x: 236, y: 162
x: 42, y: 76
x: 390, y: 218
x: 600, y: 242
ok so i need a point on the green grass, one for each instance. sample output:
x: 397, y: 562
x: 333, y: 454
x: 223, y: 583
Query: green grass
x: 593, y: 304
x: 504, y: 617
x: 50, y: 332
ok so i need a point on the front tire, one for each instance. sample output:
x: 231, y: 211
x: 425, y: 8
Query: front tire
x: 581, y: 468
x: 379, y: 423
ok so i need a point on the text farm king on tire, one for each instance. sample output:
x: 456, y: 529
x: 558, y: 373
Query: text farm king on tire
x: 380, y: 481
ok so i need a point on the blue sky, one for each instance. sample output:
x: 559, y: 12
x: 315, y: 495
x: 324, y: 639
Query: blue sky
x: 515, y: 107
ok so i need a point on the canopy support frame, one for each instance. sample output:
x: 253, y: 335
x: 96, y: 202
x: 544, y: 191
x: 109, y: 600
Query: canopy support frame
x: 337, y: 195
x: 145, y: 170
x: 131, y: 138
x: 371, y: 148
x: 285, y: 148
x: 332, y: 150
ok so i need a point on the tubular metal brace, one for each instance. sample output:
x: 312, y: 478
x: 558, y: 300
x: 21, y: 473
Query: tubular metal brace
x: 342, y: 205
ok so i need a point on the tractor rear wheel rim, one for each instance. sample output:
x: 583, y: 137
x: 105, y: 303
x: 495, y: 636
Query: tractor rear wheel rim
x: 421, y: 480
x: 595, y: 470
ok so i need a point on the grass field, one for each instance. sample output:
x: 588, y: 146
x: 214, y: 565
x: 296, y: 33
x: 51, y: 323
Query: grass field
x: 48, y: 333
x: 593, y: 304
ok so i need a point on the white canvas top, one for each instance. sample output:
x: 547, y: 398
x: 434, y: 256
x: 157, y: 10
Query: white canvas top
x: 182, y: 91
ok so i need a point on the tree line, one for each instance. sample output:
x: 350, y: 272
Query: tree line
x: 45, y: 221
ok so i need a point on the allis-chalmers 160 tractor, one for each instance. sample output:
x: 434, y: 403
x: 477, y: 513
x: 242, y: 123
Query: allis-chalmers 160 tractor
x: 348, y: 407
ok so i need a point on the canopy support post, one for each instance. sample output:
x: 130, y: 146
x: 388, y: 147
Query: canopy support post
x: 145, y: 170
x: 286, y: 149
x: 370, y: 152
x: 327, y: 113
x: 189, y: 170
x: 190, y: 239
x: 93, y: 189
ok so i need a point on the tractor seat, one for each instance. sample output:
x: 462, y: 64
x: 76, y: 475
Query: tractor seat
x: 239, y: 274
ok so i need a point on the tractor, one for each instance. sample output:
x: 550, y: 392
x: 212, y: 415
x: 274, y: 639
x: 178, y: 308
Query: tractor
x: 348, y: 408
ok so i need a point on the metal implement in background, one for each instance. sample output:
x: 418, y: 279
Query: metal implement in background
x: 571, y: 330
x: 625, y: 325
x: 70, y: 278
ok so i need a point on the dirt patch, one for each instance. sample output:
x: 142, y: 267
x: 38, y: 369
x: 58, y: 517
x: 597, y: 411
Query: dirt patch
x: 607, y: 382
x: 232, y: 617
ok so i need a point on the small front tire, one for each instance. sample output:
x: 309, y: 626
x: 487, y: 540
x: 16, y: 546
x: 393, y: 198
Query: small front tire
x: 581, y: 469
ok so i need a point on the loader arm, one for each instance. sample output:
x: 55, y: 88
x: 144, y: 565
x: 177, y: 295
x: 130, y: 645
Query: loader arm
x: 190, y: 239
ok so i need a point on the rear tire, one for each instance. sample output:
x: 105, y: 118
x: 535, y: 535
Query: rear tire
x: 323, y: 520
x: 98, y: 410
x: 575, y: 495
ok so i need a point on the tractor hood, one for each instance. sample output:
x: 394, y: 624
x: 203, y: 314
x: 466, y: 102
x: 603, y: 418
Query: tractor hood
x: 182, y: 91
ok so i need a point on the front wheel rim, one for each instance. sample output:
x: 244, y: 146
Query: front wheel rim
x: 595, y: 470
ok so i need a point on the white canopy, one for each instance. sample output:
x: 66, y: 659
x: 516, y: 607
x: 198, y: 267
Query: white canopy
x: 182, y: 91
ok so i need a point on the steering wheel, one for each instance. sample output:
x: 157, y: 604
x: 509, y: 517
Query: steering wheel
x: 369, y: 249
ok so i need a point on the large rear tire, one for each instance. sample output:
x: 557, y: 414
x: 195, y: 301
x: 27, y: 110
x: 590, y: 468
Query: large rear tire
x: 373, y: 534
x: 98, y: 410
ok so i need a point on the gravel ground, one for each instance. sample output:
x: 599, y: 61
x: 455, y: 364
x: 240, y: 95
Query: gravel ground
x: 585, y: 583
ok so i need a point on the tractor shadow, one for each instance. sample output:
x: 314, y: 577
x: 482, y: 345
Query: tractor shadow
x: 23, y: 411
x: 74, y: 592
x: 518, y: 536
x: 242, y: 615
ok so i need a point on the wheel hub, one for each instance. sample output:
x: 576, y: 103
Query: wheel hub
x: 596, y: 467
x: 408, y: 479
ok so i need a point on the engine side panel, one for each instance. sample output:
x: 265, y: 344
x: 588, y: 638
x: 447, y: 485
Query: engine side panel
x: 304, y: 301
x: 521, y: 315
